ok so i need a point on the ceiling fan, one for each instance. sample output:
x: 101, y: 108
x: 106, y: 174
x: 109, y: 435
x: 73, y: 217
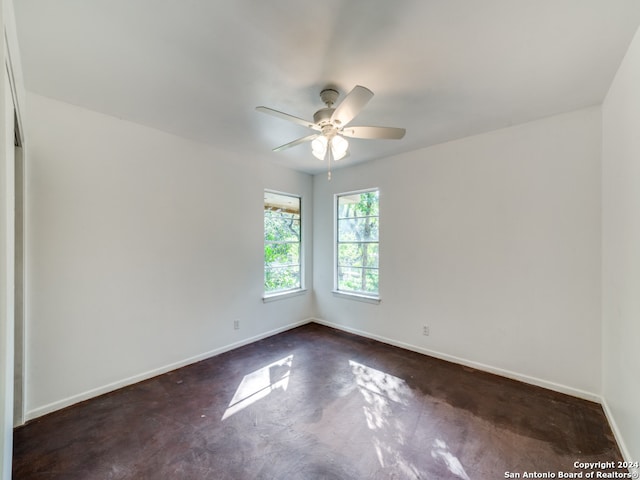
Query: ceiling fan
x: 332, y: 125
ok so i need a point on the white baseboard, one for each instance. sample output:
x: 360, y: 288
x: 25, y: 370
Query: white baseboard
x: 470, y: 363
x: 66, y: 402
x: 51, y: 407
x: 619, y: 438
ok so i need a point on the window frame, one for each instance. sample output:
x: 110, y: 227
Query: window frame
x: 278, y: 294
x: 353, y: 294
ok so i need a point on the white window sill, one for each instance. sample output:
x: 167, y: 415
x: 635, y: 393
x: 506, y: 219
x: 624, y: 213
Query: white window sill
x: 282, y: 295
x: 357, y: 296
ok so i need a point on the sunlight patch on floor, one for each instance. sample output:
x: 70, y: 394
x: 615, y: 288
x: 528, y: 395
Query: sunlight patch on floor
x: 441, y: 451
x: 384, y: 396
x: 260, y: 383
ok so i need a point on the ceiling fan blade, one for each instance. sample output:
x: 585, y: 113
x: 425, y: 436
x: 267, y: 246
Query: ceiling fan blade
x: 308, y: 138
x: 355, y: 100
x: 387, y: 133
x: 286, y: 116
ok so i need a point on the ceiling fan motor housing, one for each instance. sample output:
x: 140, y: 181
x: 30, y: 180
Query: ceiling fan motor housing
x: 329, y: 96
x: 323, y: 116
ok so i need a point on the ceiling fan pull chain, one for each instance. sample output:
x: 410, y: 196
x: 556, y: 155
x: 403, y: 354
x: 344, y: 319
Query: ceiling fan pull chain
x: 329, y: 158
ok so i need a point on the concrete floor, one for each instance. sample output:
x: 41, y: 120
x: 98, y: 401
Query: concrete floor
x: 316, y: 403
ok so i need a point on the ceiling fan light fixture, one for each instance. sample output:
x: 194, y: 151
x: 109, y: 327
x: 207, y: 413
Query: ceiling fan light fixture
x: 319, y: 147
x: 339, y: 146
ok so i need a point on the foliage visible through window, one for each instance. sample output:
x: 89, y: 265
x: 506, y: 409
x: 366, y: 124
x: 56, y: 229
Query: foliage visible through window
x: 282, y: 242
x: 357, y: 243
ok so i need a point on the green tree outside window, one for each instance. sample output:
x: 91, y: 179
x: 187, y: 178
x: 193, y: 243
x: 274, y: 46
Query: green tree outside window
x: 282, y: 242
x: 358, y: 221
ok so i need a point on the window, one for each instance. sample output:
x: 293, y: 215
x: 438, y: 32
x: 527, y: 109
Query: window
x: 282, y: 243
x: 357, y: 227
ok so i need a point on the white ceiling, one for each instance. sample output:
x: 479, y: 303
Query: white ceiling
x: 443, y: 69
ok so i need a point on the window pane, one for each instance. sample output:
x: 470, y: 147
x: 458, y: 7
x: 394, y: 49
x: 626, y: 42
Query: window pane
x: 358, y: 229
x: 358, y: 204
x: 349, y: 279
x: 371, y: 277
x: 358, y: 255
x: 360, y: 280
x: 349, y: 255
x: 282, y: 242
x: 281, y: 278
x: 278, y: 227
x: 279, y: 202
x: 276, y: 254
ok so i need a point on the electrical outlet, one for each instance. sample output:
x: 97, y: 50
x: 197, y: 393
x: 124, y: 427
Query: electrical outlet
x: 425, y: 330
x: 236, y: 324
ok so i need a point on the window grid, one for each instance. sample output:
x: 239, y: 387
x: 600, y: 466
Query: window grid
x: 282, y: 243
x: 357, y: 241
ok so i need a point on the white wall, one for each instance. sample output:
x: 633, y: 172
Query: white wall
x: 6, y: 274
x: 494, y: 242
x: 143, y: 250
x: 621, y: 252
x: 11, y: 100
x: 7, y: 279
